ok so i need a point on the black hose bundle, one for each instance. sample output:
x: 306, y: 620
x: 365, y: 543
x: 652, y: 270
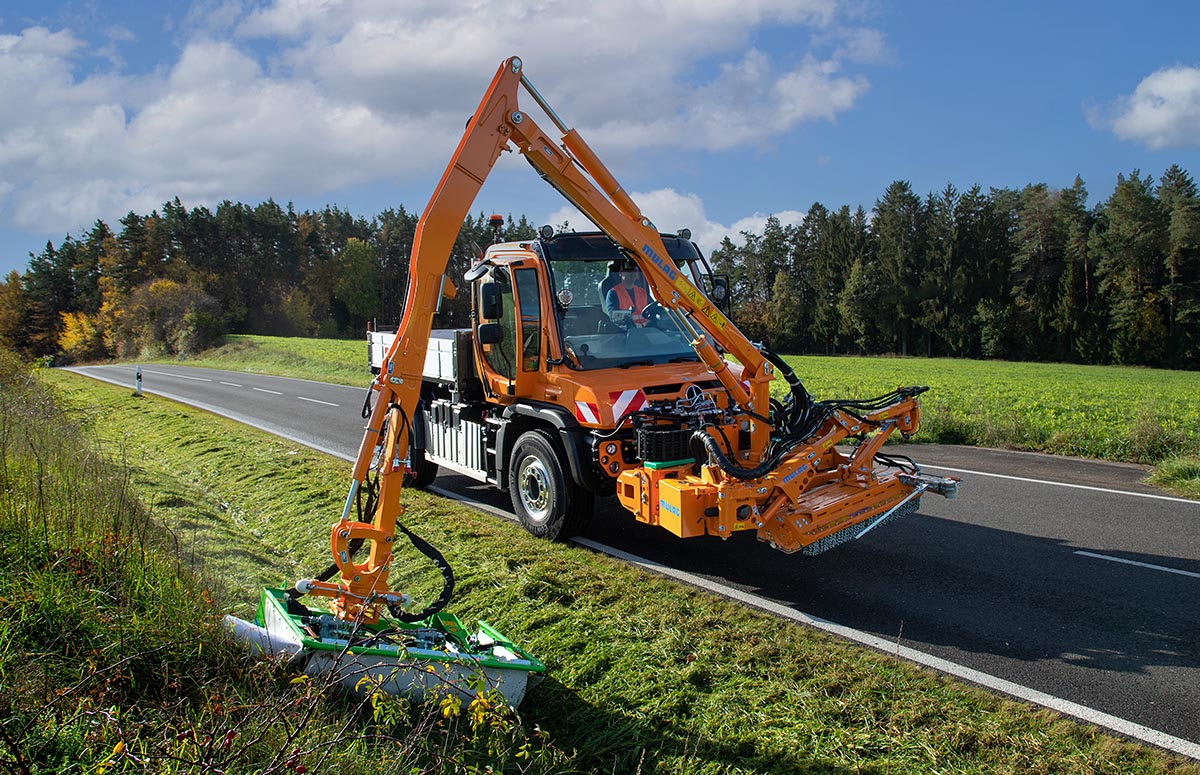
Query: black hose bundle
x: 796, y: 420
x: 371, y: 490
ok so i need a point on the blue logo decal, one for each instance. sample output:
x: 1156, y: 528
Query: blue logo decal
x: 794, y: 474
x: 662, y: 504
x: 660, y: 262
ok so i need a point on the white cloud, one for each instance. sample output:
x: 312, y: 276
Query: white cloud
x: 300, y: 97
x: 210, y: 17
x: 863, y: 45
x: 624, y: 73
x: 214, y: 126
x: 1163, y: 111
x: 671, y: 211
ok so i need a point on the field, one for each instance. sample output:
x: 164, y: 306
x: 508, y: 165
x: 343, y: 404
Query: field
x: 1107, y: 412
x: 647, y: 675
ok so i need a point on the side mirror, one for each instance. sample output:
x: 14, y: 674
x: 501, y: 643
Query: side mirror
x: 720, y: 292
x: 489, y: 301
x: 489, y: 333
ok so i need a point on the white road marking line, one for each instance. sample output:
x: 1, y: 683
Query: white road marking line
x: 316, y: 401
x: 1123, y: 561
x: 231, y: 384
x: 1065, y: 484
x: 264, y: 390
x: 178, y: 376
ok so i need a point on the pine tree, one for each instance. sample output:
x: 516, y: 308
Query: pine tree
x: 992, y: 272
x: 1037, y: 268
x: 941, y: 265
x: 863, y: 317
x: 830, y: 241
x: 973, y: 219
x: 394, y: 231
x: 1178, y: 194
x: 47, y: 287
x: 899, y: 233
x: 1132, y: 246
x: 1080, y: 317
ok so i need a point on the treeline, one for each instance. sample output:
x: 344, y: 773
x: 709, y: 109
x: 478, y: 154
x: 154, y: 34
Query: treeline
x: 1033, y: 274
x: 1021, y: 275
x: 176, y: 281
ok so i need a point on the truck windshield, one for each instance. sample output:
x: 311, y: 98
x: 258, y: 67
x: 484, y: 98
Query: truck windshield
x: 600, y: 335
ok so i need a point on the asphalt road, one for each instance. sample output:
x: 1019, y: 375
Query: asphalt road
x: 1077, y: 584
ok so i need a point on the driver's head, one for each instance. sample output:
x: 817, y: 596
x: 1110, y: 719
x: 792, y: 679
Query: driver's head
x: 628, y: 277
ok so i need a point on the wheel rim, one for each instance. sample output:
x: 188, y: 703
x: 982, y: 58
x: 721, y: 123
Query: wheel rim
x: 533, y: 484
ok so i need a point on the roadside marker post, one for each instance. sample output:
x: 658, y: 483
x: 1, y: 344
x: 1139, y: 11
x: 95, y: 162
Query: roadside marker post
x: 138, y: 380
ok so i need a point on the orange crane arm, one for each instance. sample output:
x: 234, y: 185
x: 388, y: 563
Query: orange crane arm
x: 499, y: 122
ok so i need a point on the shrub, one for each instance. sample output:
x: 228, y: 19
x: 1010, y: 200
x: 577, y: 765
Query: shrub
x: 81, y: 338
x: 163, y: 317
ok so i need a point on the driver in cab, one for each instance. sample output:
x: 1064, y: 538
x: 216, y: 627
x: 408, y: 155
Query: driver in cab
x: 626, y: 300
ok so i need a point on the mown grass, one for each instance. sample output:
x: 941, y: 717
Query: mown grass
x: 646, y: 675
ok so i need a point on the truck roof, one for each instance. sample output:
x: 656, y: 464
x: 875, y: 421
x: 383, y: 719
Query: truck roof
x: 596, y: 246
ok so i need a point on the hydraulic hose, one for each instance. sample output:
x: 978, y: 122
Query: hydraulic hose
x: 797, y: 415
x: 723, y: 462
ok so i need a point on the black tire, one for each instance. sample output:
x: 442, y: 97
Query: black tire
x: 548, y: 503
x: 420, y: 472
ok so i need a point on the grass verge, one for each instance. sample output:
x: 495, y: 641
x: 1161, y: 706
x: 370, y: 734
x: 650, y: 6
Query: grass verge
x: 647, y: 675
x: 1179, y: 474
x: 112, y: 655
x: 1118, y: 413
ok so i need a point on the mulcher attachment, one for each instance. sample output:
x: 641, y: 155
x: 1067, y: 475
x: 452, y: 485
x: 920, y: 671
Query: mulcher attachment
x: 944, y: 486
x: 855, y: 531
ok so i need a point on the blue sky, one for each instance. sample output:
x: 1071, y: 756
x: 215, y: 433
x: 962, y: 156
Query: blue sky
x: 714, y: 114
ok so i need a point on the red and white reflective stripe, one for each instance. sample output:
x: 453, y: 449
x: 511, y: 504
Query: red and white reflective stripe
x: 626, y: 401
x: 585, y: 412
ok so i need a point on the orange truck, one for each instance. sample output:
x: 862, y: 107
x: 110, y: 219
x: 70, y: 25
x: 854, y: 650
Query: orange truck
x: 601, y: 364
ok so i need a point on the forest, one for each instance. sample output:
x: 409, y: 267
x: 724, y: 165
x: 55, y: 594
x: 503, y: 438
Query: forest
x: 1029, y: 274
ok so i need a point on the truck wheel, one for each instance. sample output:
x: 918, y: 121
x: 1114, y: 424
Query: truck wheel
x: 420, y: 472
x: 548, y: 503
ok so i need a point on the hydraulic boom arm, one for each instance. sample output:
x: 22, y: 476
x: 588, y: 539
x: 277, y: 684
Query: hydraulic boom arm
x: 497, y: 125
x: 569, y: 165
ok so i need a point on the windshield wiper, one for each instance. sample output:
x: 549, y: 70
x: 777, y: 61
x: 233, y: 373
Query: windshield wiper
x: 628, y: 364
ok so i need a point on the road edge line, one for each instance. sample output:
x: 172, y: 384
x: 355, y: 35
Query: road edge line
x: 1093, y: 488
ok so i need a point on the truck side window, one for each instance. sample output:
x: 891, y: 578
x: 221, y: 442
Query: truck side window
x: 531, y: 319
x: 500, y: 356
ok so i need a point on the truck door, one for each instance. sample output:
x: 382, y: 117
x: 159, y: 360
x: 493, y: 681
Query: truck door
x: 510, y: 330
x: 529, y: 332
